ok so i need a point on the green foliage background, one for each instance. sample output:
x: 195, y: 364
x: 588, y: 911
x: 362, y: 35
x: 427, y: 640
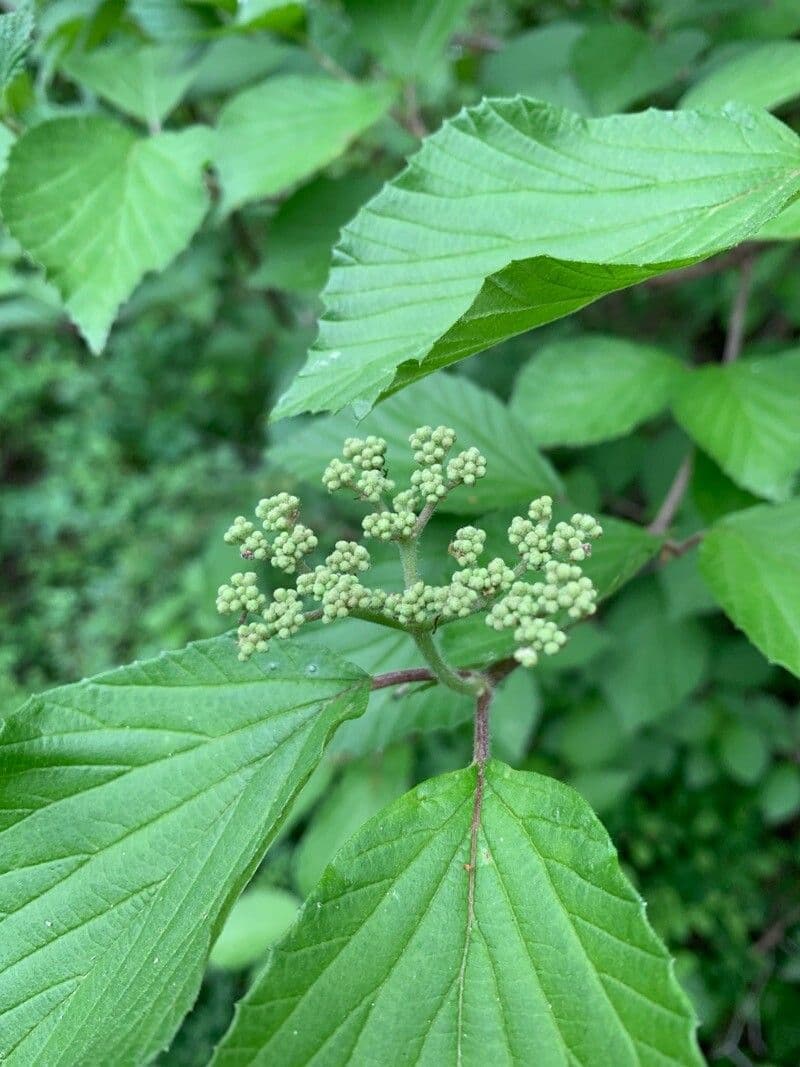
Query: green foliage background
x: 121, y: 471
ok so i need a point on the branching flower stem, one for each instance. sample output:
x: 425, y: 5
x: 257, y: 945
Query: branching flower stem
x: 468, y: 684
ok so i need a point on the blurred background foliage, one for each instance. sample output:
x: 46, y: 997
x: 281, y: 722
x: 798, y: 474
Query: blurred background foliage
x: 120, y: 472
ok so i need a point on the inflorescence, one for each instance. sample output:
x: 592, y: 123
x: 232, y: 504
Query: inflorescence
x: 537, y: 610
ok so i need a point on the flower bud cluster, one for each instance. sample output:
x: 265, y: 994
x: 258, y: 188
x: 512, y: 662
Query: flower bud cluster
x: 529, y: 608
x: 389, y: 525
x: 429, y: 482
x: 253, y: 637
x: 466, y: 467
x: 573, y: 538
x: 348, y: 557
x: 535, y: 543
x: 290, y: 546
x: 467, y: 546
x: 253, y: 544
x: 430, y: 446
x: 242, y: 594
x: 338, y: 475
x: 373, y: 485
x: 278, y: 512
x: 285, y: 615
x: 535, y: 610
x: 367, y: 454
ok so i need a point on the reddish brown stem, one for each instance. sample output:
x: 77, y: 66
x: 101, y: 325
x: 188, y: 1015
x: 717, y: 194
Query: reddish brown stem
x: 404, y: 677
x: 480, y: 749
x: 672, y: 501
x: 735, y: 336
x: 724, y: 261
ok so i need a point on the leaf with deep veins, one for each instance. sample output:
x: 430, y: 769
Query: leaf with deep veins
x: 751, y: 561
x: 133, y: 808
x: 99, y: 207
x: 515, y: 213
x: 479, y: 919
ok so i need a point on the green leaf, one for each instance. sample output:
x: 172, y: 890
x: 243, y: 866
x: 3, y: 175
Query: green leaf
x: 590, y: 736
x: 746, y: 415
x: 281, y: 16
x: 173, y: 22
x: 516, y: 710
x: 278, y: 133
x: 145, y: 81
x: 515, y: 471
x: 784, y: 227
x: 426, y: 274
x: 99, y: 207
x: 305, y: 228
x: 592, y: 69
x: 766, y: 75
x: 538, y: 64
x: 751, y: 561
x: 408, y: 36
x: 619, y: 554
x: 654, y: 664
x: 533, y: 920
x: 229, y: 63
x: 685, y: 590
x: 591, y: 388
x: 617, y: 65
x: 133, y: 808
x: 16, y: 29
x: 744, y: 752
x: 779, y: 795
x: 258, y: 919
x: 365, y: 787
x: 713, y: 493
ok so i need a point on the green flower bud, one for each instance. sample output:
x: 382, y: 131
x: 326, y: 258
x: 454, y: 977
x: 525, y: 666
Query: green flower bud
x: 467, y: 545
x: 531, y: 541
x: 344, y: 596
x: 526, y: 656
x: 372, y: 485
x: 466, y: 467
x: 316, y: 583
x: 284, y: 616
x: 239, y: 531
x: 566, y: 541
x: 431, y: 446
x: 252, y: 637
x: 256, y: 546
x: 388, y: 525
x: 290, y: 546
x: 430, y: 483
x: 366, y: 454
x: 541, y: 509
x: 242, y: 594
x: 338, y: 475
x: 278, y: 512
x: 348, y: 557
x: 405, y: 501
x: 461, y: 600
x: 587, y: 525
